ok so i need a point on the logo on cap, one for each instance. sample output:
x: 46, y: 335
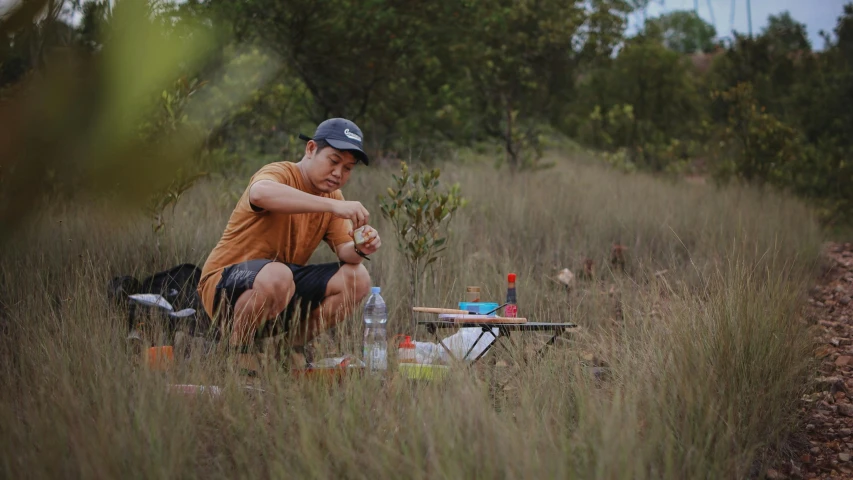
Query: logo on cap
x: 352, y: 135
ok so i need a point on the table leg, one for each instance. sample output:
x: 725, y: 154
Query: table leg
x: 506, y: 333
x: 488, y: 347
x: 431, y: 328
x: 483, y: 332
x: 541, y: 352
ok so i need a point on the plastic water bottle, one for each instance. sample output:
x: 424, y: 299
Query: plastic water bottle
x: 375, y: 343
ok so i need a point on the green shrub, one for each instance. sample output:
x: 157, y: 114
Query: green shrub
x: 420, y: 214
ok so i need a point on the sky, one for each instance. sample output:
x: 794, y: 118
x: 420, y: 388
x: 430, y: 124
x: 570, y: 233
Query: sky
x: 817, y: 15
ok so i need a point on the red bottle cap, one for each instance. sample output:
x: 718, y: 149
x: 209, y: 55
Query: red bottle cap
x: 511, y: 277
x: 407, y: 343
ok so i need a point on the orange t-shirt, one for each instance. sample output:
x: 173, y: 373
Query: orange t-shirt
x: 253, y: 234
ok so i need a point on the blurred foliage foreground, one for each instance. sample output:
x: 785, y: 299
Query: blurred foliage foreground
x: 125, y: 117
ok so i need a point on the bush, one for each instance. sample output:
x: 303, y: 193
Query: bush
x: 762, y: 149
x: 643, y: 101
x: 420, y: 214
x: 757, y: 147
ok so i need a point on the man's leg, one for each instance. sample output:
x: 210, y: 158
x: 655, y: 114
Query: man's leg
x: 344, y: 292
x: 271, y: 291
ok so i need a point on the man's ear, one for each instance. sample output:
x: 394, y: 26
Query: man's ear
x: 310, y: 148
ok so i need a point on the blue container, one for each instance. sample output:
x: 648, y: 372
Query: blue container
x: 479, y: 308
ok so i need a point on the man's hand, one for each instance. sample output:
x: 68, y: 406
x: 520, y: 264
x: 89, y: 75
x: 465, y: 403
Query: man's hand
x: 352, y: 210
x: 346, y: 251
x: 372, y: 241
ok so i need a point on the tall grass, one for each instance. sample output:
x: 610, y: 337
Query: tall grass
x: 706, y: 355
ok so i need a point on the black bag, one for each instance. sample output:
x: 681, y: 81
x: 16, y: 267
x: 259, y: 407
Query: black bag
x: 178, y: 286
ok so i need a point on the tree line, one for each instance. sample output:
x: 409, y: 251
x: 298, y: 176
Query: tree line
x: 424, y: 78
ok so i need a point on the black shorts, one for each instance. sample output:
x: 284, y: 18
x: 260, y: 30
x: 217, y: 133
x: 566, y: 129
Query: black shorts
x: 310, y: 281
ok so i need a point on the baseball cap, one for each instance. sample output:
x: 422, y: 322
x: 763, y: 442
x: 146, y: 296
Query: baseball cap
x: 341, y: 134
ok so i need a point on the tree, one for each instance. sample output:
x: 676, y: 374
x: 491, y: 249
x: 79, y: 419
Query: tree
x: 522, y: 55
x: 28, y: 31
x: 772, y: 72
x: 844, y: 31
x: 396, y: 67
x: 786, y: 35
x: 820, y: 108
x: 683, y: 31
x: 642, y: 101
x: 763, y: 149
x: 417, y: 72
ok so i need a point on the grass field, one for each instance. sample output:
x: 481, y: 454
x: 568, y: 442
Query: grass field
x: 705, y: 350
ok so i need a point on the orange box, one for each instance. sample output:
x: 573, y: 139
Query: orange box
x: 160, y: 358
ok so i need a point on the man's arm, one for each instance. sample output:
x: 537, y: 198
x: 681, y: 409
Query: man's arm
x: 279, y: 198
x: 346, y: 253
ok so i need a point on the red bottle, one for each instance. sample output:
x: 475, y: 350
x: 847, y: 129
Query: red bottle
x: 511, y: 309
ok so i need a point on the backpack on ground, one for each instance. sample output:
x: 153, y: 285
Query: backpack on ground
x: 168, y: 298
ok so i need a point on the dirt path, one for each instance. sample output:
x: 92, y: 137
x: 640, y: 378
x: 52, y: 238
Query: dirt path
x: 825, y: 449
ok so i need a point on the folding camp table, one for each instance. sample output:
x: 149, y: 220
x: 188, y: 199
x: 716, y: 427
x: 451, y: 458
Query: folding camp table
x: 504, y: 330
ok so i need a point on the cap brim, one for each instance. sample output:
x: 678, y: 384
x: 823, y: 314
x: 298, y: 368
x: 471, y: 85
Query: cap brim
x: 356, y: 151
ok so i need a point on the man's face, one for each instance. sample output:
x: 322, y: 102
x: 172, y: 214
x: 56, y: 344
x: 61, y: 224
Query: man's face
x: 328, y: 169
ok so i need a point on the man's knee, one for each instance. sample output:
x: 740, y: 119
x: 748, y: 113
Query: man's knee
x: 274, y: 287
x: 357, y: 280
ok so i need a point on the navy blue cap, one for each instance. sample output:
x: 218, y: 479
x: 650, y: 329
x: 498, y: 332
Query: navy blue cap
x: 341, y: 134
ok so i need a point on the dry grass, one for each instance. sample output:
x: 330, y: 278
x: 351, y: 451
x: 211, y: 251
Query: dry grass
x: 706, y: 360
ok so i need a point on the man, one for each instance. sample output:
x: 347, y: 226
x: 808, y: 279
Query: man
x: 258, y: 270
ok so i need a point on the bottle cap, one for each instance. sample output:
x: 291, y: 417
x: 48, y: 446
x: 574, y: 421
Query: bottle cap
x: 511, y: 277
x: 375, y: 289
x: 407, y: 343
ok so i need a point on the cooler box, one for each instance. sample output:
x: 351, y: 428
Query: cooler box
x: 479, y: 308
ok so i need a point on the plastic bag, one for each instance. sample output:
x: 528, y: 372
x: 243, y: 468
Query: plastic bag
x: 459, y: 343
x: 430, y: 353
